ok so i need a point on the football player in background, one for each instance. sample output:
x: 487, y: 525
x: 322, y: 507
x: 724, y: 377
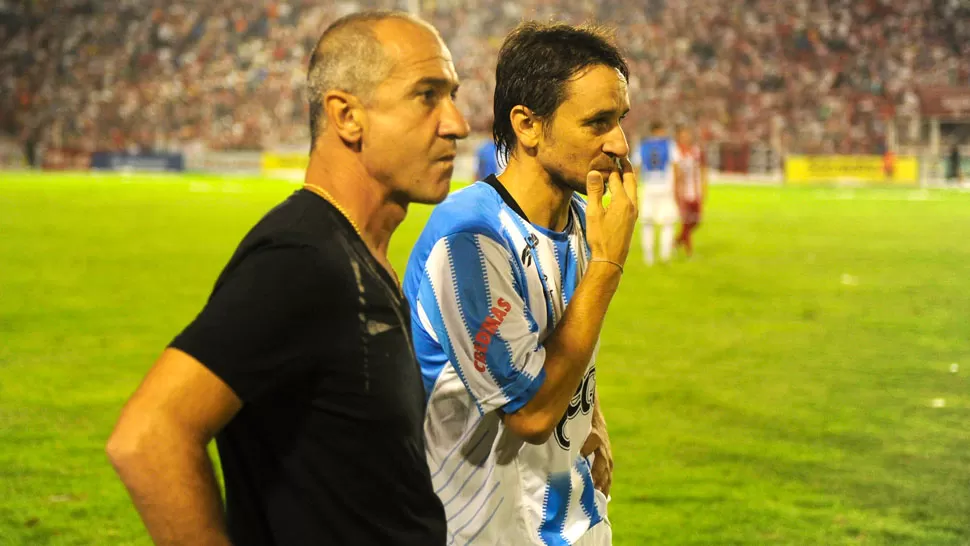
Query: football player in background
x: 657, y: 157
x: 690, y: 186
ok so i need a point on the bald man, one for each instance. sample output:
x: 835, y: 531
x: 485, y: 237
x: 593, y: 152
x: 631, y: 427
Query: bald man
x: 300, y: 365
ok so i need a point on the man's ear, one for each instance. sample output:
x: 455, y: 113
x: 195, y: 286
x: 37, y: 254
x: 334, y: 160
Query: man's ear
x: 345, y: 114
x: 526, y: 125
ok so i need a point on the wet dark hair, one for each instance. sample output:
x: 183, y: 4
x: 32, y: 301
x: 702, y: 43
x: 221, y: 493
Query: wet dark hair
x: 535, y: 64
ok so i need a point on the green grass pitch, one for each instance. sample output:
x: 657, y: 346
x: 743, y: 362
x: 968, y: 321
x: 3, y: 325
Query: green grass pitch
x: 777, y: 389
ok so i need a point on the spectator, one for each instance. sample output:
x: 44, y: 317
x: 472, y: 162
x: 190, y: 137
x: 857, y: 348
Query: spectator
x: 229, y: 74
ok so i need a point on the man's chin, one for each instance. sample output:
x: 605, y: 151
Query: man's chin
x: 434, y: 195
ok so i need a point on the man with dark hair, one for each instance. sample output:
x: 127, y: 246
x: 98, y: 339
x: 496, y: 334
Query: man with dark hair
x: 509, y: 285
x: 301, y: 363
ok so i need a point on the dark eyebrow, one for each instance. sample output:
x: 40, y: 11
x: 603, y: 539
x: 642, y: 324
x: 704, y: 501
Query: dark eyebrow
x: 605, y: 113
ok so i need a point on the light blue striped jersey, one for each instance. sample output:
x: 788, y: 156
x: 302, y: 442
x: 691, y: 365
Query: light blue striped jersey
x: 486, y: 288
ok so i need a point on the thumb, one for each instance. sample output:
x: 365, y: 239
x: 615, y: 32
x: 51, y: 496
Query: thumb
x: 594, y: 190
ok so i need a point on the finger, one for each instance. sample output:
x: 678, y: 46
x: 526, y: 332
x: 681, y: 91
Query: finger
x: 599, y: 478
x: 599, y: 471
x: 616, y: 187
x: 629, y: 179
x: 594, y: 191
x: 604, y: 484
x: 626, y: 166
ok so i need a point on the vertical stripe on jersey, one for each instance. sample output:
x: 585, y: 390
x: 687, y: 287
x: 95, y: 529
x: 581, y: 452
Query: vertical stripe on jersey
x: 588, y: 499
x: 428, y: 303
x: 524, y: 234
x: 535, y: 294
x: 558, y: 489
x: 521, y: 285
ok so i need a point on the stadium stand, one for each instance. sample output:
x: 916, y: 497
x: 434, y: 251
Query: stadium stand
x: 803, y: 76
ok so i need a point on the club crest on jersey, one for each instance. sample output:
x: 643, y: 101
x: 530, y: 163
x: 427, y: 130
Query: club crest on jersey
x: 488, y: 328
x: 582, y: 401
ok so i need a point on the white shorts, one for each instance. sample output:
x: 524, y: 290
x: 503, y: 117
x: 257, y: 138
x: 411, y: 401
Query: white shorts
x: 657, y: 205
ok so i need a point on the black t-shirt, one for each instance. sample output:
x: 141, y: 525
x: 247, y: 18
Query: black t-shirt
x: 311, y: 333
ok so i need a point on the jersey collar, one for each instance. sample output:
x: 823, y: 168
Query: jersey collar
x: 493, y: 181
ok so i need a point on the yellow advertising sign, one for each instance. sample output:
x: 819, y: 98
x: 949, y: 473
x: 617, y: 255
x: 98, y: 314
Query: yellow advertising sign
x: 858, y: 169
x: 272, y: 161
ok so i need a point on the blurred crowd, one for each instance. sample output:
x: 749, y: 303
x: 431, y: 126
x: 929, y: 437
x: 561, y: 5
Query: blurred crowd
x: 797, y: 75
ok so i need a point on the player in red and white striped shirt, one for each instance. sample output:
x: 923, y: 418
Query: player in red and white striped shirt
x: 690, y: 188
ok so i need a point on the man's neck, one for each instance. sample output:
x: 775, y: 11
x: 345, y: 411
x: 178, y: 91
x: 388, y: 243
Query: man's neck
x: 371, y: 206
x: 544, y: 202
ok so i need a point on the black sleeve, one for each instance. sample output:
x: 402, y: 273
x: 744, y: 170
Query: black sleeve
x: 261, y: 329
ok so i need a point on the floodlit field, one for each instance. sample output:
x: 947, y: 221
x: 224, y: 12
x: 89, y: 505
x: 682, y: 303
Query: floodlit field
x: 789, y: 385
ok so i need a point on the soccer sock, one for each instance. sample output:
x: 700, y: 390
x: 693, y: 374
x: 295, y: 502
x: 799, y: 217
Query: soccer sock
x: 646, y: 242
x: 688, y: 228
x: 666, y: 242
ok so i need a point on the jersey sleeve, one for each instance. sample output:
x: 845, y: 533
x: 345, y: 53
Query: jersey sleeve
x: 258, y: 327
x: 472, y: 302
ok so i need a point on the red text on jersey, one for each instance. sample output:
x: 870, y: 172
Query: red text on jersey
x: 484, y: 336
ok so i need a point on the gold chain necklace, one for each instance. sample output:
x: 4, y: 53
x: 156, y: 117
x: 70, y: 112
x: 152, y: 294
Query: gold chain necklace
x: 330, y: 199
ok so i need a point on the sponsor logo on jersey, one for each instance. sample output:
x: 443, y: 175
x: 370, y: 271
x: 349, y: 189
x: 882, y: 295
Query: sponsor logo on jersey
x: 582, y: 402
x: 487, y: 330
x: 531, y: 243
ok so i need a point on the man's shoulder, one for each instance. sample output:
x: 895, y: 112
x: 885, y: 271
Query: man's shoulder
x: 303, y: 231
x: 476, y: 209
x: 303, y: 219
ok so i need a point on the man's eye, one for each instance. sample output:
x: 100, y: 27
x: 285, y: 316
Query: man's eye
x: 429, y: 95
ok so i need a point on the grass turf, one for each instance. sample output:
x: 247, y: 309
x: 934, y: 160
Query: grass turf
x: 776, y: 389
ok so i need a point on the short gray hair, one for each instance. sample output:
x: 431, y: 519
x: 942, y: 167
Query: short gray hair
x: 348, y: 57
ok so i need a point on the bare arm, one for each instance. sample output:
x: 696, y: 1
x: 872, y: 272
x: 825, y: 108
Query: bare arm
x: 568, y: 352
x: 159, y: 445
x: 570, y: 347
